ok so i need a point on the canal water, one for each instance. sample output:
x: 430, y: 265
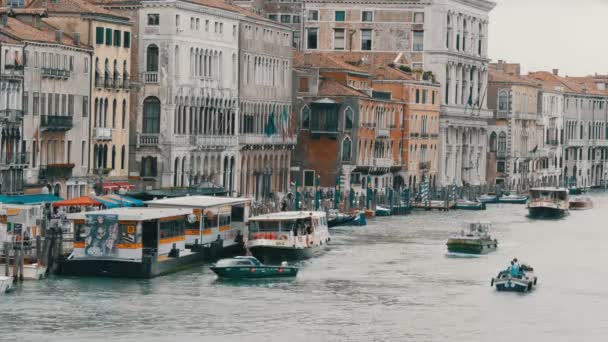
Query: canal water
x: 389, y: 281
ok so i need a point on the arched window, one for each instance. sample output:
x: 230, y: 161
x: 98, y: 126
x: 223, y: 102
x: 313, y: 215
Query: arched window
x: 348, y: 118
x: 124, y: 112
x: 122, y: 157
x: 306, y: 117
x: 114, y: 113
x: 502, y: 142
x: 493, y: 142
x: 151, y: 117
x: 113, y: 157
x: 346, y: 149
x: 152, y: 58
x: 176, y: 60
x: 503, y: 101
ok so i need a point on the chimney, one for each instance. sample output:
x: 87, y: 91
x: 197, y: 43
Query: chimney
x: 556, y: 72
x: 58, y: 35
x: 77, y: 38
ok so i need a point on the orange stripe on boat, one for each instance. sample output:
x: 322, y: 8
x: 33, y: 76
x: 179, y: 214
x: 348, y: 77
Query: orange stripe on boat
x: 129, y: 245
x: 173, y: 239
x: 79, y: 244
x: 193, y: 232
x: 224, y: 228
x: 207, y: 232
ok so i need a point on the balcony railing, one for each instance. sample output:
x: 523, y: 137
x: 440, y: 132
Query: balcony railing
x: 99, y: 82
x: 55, y: 73
x: 55, y: 171
x: 382, y: 132
x: 151, y: 77
x: 14, y: 159
x: 117, y: 82
x: 56, y: 123
x: 262, y: 139
x: 12, y: 115
x: 424, y: 165
x: 108, y: 82
x: 501, y: 154
x: 424, y: 135
x: 211, y: 141
x: 148, y: 139
x: 502, y: 115
x: 126, y: 84
x: 383, y: 162
x: 553, y: 142
x: 103, y: 133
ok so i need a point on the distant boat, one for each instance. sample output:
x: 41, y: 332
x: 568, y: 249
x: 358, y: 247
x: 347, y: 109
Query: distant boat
x: 513, y: 199
x: 548, y: 202
x: 336, y: 219
x: 464, y: 204
x: 488, y: 199
x: 381, y: 211
x: 575, y: 190
x: 248, y: 267
x: 580, y: 203
x: 6, y: 283
x: 476, y: 241
x: 525, y: 281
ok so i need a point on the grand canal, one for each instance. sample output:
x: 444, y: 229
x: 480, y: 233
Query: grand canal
x: 389, y: 281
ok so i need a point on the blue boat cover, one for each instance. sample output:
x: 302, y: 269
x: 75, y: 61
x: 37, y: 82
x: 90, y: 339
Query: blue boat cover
x: 126, y: 200
x: 29, y: 199
x: 108, y: 202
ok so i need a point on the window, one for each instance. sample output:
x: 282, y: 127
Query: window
x: 69, y: 154
x: 285, y: 18
x: 124, y: 113
x: 311, y: 38
x: 303, y: 84
x: 153, y: 19
x: 305, y: 118
x: 36, y: 106
x: 296, y: 19
x: 127, y: 40
x: 313, y: 15
x: 71, y: 105
x: 340, y: 16
x: 25, y: 102
x: 99, y: 35
x: 191, y: 23
x: 338, y: 39
x: 109, y: 36
x: 152, y: 58
x: 85, y: 106
x: 433, y: 96
x: 503, y: 101
x: 346, y: 149
x: 348, y: 118
x: 418, y: 44
x: 417, y: 95
x: 86, y: 65
x: 206, y: 25
x: 502, y: 142
x: 367, y: 16
x: 309, y: 178
x: 117, y: 37
x: 83, y: 153
x: 419, y: 17
x: 273, y: 17
x: 122, y: 157
x: 198, y: 24
x: 151, y: 118
x: 366, y: 40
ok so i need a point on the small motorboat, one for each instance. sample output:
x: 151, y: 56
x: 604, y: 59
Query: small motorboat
x: 580, y: 203
x: 465, y: 204
x: 575, y: 190
x: 360, y: 219
x: 336, y: 219
x: 513, y: 199
x: 476, y: 241
x: 381, y: 211
x: 523, y: 281
x: 488, y: 199
x: 248, y: 267
x: 6, y: 283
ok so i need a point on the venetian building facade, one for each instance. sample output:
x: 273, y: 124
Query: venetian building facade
x: 56, y: 104
x: 265, y: 101
x: 13, y: 155
x: 110, y: 36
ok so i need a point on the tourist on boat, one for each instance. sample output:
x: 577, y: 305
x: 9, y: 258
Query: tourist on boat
x: 515, y: 268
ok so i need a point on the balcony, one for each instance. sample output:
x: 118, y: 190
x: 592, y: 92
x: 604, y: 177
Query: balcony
x: 147, y: 139
x: 501, y: 154
x: 108, y: 82
x: 424, y: 165
x: 502, y: 115
x: 51, y: 171
x: 151, y: 77
x: 126, y: 84
x: 424, y: 135
x: 99, y: 82
x: 414, y: 135
x: 55, y: 73
x: 553, y: 142
x: 117, y: 83
x: 262, y: 139
x: 103, y: 133
x: 12, y: 115
x: 382, y: 133
x: 14, y: 159
x: 56, y: 123
x: 383, y: 162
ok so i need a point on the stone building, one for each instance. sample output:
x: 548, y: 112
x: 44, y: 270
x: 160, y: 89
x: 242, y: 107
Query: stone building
x: 56, y: 102
x: 265, y: 99
x: 343, y: 129
x: 517, y: 135
x: 110, y: 36
x: 13, y: 155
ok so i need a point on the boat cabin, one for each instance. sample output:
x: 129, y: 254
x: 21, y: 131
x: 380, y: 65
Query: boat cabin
x: 286, y: 225
x: 215, y: 218
x: 129, y: 233
x: 20, y: 223
x: 548, y: 194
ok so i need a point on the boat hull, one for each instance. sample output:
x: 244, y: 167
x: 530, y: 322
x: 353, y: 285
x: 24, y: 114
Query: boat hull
x: 546, y: 212
x: 466, y: 248
x: 253, y: 272
x: 5, y: 284
x: 274, y: 254
x: 340, y: 221
x: 513, y: 200
x: 514, y: 285
x: 477, y: 206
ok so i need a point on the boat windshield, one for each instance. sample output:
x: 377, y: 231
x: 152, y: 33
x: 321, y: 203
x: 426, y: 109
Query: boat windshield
x: 548, y: 195
x: 233, y: 262
x: 264, y: 226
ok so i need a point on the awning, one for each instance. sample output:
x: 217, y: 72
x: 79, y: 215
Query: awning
x: 30, y: 199
x: 126, y: 201
x: 117, y: 185
x: 78, y: 202
x: 108, y: 202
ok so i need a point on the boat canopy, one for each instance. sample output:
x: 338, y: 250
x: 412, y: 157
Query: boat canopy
x: 198, y: 202
x: 133, y: 214
x: 30, y: 199
x: 288, y: 215
x: 83, y: 201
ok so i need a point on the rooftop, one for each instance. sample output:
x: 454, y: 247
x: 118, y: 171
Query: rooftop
x: 133, y: 214
x: 73, y: 6
x: 199, y: 202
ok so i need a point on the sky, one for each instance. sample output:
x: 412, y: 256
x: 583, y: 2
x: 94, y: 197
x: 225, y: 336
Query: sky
x: 569, y: 35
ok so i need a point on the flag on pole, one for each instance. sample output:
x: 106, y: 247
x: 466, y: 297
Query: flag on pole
x: 270, y: 128
x: 284, y: 122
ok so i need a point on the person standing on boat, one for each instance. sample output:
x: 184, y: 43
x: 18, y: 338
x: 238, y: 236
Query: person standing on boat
x: 515, y: 268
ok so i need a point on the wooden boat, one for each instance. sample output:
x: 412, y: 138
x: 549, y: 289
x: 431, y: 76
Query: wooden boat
x: 525, y: 281
x: 488, y: 199
x: 248, y: 267
x: 464, y: 204
x: 513, y: 199
x: 381, y: 211
x: 336, y: 219
x: 289, y: 235
x: 6, y: 283
x: 476, y: 241
x: 548, y: 202
x: 580, y: 203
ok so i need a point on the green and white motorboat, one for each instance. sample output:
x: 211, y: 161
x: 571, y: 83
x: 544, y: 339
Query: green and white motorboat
x: 249, y: 267
x: 476, y: 241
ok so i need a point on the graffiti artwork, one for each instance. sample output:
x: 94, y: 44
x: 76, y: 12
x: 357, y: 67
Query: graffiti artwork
x: 103, y: 235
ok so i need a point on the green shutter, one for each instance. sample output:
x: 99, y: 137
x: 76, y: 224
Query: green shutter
x: 108, y: 36
x: 127, y: 39
x: 117, y: 36
x: 99, y: 35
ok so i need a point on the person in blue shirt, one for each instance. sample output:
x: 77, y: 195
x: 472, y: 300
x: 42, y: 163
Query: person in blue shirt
x: 515, y: 268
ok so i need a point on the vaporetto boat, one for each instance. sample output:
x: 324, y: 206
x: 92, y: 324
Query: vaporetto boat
x: 292, y: 235
x: 548, y: 202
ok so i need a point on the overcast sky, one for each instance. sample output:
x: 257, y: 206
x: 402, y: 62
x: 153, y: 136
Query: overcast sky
x: 544, y: 34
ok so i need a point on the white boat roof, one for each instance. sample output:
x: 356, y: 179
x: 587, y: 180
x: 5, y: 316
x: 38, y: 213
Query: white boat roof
x: 287, y: 215
x: 549, y: 189
x: 198, y: 202
x: 133, y: 214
